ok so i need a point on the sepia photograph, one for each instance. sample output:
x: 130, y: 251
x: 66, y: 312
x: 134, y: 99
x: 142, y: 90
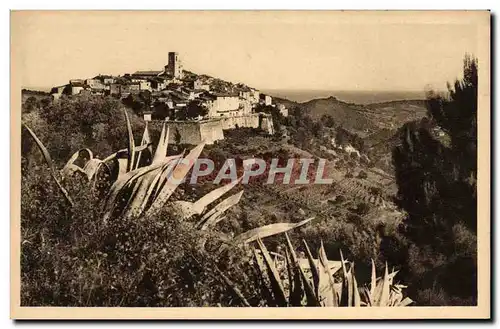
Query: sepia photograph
x: 236, y: 164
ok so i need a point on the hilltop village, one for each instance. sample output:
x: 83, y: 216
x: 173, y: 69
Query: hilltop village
x: 183, y: 99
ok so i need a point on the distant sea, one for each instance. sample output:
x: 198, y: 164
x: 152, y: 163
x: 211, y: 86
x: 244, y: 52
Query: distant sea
x: 358, y: 97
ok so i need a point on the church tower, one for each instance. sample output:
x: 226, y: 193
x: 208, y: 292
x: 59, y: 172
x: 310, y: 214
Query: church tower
x: 174, y: 68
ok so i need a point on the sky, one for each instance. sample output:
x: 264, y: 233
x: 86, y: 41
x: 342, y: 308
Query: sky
x: 267, y: 50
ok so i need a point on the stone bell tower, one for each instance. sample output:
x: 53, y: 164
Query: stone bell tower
x: 174, y: 68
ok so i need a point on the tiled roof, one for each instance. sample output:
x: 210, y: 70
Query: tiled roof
x: 147, y: 73
x: 224, y: 95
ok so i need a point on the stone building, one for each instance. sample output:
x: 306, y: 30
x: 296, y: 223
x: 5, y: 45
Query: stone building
x: 266, y: 100
x: 174, y: 67
x: 57, y: 92
x: 222, y: 105
x: 283, y: 110
x: 198, y: 84
x: 145, y: 85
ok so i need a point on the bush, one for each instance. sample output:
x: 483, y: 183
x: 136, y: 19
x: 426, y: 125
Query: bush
x: 362, y: 208
x: 70, y: 123
x: 437, y: 189
x: 362, y: 175
x: 71, y: 256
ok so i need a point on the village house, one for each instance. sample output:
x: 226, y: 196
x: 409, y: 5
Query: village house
x: 246, y: 106
x: 145, y: 85
x: 283, y: 110
x: 266, y: 100
x: 147, y: 115
x: 179, y: 99
x: 199, y: 85
x: 124, y: 89
x: 76, y: 85
x: 222, y: 105
x: 106, y: 80
x: 245, y: 95
x: 254, y: 96
x: 115, y: 89
x: 95, y: 84
x: 142, y: 75
x: 158, y: 83
x: 57, y: 92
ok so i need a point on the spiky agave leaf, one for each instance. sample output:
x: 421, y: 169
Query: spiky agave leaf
x: 373, y: 284
x: 178, y: 174
x: 294, y: 283
x: 261, y: 273
x: 125, y: 179
x: 267, y: 230
x: 200, y: 205
x: 146, y: 141
x: 233, y: 286
x: 276, y: 285
x: 344, y: 296
x: 161, y: 148
x: 334, y: 265
x: 314, y: 270
x: 356, y: 298
x: 219, y: 210
x: 165, y: 175
x: 70, y: 167
x: 186, y: 209
x: 124, y: 153
x: 405, y: 302
x: 142, y: 192
x: 122, y: 166
x: 326, y: 285
x: 93, y: 166
x: 384, y: 296
x: 131, y: 144
x: 50, y: 164
x: 308, y: 290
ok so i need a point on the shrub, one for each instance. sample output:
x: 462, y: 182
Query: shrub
x: 362, y: 208
x: 362, y: 175
x: 82, y: 247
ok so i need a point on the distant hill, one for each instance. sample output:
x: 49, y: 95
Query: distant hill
x: 362, y: 119
x: 347, y: 115
x: 38, y: 94
x: 392, y: 115
x: 377, y: 123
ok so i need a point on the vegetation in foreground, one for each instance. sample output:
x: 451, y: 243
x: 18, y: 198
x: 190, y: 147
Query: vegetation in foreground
x: 111, y: 254
x: 75, y: 256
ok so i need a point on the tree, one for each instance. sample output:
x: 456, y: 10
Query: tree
x: 317, y: 129
x: 84, y: 121
x: 362, y: 175
x: 328, y: 121
x: 135, y: 103
x: 30, y: 104
x: 177, y: 136
x: 193, y: 110
x: 437, y: 188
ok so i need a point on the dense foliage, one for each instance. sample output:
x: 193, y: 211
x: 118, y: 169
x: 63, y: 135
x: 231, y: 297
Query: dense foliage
x: 436, y: 175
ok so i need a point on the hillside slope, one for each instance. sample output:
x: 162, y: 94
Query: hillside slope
x: 348, y: 116
x: 364, y: 120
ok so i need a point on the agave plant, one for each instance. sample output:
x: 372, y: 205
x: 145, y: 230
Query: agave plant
x: 143, y: 185
x: 289, y: 280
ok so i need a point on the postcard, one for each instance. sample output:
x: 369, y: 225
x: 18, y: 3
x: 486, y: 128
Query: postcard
x: 250, y: 165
